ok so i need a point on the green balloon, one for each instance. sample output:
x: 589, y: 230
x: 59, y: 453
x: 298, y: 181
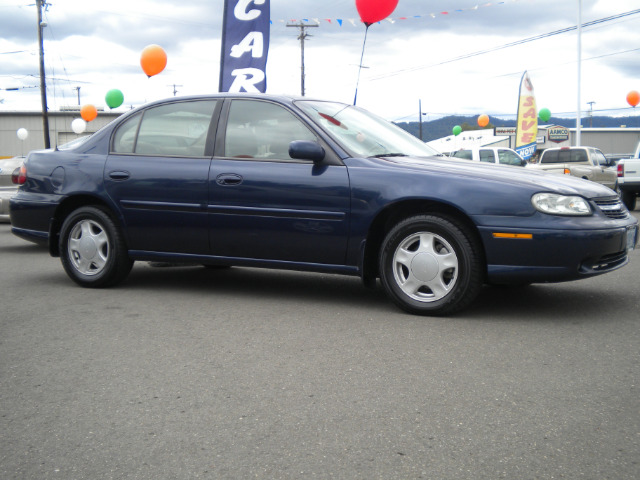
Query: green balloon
x: 114, y: 98
x: 544, y: 114
x: 457, y: 130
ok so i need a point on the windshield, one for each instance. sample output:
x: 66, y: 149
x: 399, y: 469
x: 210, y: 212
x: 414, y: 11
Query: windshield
x: 363, y: 134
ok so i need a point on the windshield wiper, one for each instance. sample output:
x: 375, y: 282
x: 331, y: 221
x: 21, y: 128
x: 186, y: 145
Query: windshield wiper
x: 380, y: 155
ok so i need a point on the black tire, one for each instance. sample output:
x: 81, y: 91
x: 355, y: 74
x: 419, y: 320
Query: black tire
x: 431, y: 265
x: 92, y: 249
x: 616, y: 188
x: 629, y: 199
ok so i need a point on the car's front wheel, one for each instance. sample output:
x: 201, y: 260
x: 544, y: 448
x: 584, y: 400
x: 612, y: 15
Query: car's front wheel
x: 92, y: 249
x: 431, y: 265
x: 629, y: 199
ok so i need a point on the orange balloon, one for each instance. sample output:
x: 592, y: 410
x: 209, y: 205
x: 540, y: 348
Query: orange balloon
x: 483, y: 120
x: 153, y: 60
x: 633, y: 98
x: 88, y: 113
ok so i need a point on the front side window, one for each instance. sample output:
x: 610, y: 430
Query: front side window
x: 175, y: 129
x: 262, y: 130
x: 599, y: 158
x: 466, y: 154
x: 507, y: 157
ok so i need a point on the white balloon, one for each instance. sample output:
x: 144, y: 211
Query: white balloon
x: 22, y: 133
x: 78, y: 125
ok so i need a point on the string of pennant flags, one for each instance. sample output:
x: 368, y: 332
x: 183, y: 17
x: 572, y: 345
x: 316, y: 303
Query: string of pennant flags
x: 356, y: 21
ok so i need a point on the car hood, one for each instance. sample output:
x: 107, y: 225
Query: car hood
x: 518, y: 176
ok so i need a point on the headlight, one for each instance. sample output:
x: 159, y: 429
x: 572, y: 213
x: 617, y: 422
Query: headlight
x: 555, y: 204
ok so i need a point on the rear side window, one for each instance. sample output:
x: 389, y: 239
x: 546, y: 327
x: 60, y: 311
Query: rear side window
x: 487, y: 156
x: 175, y: 129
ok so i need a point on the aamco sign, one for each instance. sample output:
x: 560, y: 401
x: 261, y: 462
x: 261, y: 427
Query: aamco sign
x: 558, y: 134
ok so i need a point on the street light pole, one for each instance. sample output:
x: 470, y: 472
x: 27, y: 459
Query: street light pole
x: 43, y: 86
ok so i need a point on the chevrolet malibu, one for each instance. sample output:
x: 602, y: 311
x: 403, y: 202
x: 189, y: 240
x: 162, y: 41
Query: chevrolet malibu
x: 293, y: 183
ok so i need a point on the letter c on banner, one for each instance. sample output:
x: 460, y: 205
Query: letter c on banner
x: 240, y: 11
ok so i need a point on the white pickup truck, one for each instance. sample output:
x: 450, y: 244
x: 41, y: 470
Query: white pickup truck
x: 584, y: 162
x: 629, y: 179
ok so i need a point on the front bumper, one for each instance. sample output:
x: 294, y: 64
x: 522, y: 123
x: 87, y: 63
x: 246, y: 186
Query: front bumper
x: 557, y: 255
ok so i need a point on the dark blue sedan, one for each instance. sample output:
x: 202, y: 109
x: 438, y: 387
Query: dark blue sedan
x: 278, y: 182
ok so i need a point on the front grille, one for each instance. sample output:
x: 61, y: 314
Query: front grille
x: 612, y: 207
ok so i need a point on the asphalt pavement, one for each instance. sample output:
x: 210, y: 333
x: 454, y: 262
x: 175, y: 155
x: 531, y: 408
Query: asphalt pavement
x: 188, y: 372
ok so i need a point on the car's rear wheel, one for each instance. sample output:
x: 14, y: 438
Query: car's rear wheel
x: 92, y: 249
x: 431, y: 265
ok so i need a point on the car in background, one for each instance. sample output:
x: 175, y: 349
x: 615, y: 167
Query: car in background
x: 587, y: 163
x: 295, y: 183
x: 503, y: 156
x: 7, y: 188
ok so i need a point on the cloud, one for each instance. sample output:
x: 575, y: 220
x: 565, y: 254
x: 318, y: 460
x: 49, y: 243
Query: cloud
x: 454, y: 63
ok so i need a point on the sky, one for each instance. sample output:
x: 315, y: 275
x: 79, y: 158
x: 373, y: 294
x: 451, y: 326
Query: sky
x: 438, y: 57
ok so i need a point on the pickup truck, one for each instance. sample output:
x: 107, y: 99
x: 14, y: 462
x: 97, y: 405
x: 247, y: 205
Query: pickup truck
x: 584, y: 162
x: 629, y: 179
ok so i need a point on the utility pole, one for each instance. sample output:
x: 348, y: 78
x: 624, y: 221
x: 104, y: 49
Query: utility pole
x: 420, y: 114
x: 78, y: 90
x: 302, y: 37
x: 590, y: 114
x: 43, y: 84
x: 174, y: 88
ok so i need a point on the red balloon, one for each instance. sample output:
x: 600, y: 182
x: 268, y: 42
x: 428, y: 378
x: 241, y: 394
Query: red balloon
x: 372, y: 11
x: 633, y: 98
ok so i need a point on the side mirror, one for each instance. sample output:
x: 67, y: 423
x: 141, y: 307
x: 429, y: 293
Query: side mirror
x: 523, y: 163
x: 306, y: 150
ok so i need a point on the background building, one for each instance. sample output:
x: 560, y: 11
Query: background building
x: 60, y: 130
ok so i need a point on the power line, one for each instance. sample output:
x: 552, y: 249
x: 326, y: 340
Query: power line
x: 506, y: 45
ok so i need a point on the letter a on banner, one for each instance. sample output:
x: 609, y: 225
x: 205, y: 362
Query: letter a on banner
x: 527, y: 127
x: 245, y: 45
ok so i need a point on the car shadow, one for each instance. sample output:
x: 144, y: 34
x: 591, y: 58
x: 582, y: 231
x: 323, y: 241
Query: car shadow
x: 25, y: 248
x: 572, y: 302
x: 268, y: 284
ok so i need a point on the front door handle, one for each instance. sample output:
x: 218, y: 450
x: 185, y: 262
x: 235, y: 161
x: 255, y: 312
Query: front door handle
x: 119, y: 175
x: 229, y: 179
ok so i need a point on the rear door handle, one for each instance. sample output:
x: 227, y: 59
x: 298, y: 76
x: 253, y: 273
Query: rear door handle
x: 229, y: 179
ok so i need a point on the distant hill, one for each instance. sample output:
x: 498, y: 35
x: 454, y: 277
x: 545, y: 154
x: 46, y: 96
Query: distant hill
x: 442, y: 127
